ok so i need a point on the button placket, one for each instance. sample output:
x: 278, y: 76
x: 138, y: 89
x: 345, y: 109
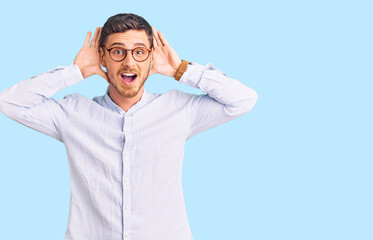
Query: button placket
x: 126, y: 185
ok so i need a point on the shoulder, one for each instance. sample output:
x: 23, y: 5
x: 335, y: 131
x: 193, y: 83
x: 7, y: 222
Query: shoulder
x: 179, y: 98
x: 75, y: 101
x: 98, y: 99
x: 75, y: 97
x: 175, y: 93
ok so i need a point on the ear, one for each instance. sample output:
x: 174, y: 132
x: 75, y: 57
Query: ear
x: 102, y: 57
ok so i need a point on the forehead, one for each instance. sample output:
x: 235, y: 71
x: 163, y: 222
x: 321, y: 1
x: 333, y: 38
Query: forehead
x: 129, y: 38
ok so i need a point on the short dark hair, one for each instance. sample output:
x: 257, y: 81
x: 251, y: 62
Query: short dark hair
x: 123, y: 22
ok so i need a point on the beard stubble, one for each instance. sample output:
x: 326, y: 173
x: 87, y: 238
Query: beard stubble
x: 129, y: 91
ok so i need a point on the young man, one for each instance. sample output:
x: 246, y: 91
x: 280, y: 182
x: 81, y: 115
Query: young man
x: 125, y: 148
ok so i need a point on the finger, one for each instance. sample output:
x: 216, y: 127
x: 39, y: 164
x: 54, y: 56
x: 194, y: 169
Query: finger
x: 94, y: 39
x: 162, y: 38
x: 87, y: 38
x: 155, y: 35
x: 98, y: 38
x: 154, y: 43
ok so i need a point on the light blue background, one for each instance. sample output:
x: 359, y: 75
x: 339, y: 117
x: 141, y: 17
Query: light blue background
x: 298, y: 166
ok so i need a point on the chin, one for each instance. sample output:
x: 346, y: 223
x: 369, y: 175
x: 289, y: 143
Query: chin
x: 129, y: 93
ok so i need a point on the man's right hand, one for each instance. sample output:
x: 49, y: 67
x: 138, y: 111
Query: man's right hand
x: 88, y: 58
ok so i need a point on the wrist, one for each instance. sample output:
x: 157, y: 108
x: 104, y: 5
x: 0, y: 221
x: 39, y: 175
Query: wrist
x: 174, y: 66
x: 80, y: 68
x: 181, y: 69
x: 86, y: 71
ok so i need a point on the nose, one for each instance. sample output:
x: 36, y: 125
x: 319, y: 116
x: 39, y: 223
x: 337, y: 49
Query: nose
x: 129, y: 61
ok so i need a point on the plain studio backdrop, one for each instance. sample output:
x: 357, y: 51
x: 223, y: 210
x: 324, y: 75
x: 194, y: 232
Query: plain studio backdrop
x: 298, y: 166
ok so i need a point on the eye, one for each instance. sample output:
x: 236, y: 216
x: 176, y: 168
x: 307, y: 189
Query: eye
x: 117, y: 51
x: 140, y: 51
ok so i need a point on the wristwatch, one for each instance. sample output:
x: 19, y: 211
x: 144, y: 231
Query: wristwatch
x: 181, y: 69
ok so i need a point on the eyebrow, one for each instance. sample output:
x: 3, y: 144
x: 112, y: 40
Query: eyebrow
x: 122, y: 44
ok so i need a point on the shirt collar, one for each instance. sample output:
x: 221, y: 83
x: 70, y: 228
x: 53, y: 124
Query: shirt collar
x: 110, y: 104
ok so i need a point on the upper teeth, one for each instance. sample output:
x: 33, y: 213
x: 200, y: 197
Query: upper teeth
x: 129, y: 74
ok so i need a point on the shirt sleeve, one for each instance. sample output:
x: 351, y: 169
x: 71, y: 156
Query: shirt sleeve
x: 29, y: 102
x: 225, y: 100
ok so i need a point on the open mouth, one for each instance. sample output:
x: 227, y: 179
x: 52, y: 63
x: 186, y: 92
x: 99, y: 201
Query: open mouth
x: 128, y: 78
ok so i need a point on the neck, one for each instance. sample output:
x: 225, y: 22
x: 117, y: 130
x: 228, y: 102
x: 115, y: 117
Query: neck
x: 124, y: 103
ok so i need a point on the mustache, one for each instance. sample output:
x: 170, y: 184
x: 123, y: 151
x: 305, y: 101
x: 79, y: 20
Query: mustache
x: 126, y: 69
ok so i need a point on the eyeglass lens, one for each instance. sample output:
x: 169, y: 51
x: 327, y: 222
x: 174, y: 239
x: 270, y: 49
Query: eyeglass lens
x: 139, y: 54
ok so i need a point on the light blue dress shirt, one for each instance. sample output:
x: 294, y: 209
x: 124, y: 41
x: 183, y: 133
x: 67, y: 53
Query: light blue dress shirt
x: 126, y: 167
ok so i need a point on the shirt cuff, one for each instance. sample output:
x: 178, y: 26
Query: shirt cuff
x: 195, y: 74
x: 72, y: 75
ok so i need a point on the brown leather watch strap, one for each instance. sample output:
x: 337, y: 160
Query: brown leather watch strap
x: 181, y: 69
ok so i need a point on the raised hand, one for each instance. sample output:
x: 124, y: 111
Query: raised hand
x: 88, y: 58
x: 165, y: 59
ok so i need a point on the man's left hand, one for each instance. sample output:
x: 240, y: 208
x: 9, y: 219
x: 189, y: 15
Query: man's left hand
x: 165, y: 59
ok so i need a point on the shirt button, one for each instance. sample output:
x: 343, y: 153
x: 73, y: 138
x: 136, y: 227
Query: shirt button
x: 126, y: 235
x: 126, y: 208
x: 125, y: 180
x: 125, y: 153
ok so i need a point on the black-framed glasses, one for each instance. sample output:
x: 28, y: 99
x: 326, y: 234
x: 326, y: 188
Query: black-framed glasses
x: 118, y: 54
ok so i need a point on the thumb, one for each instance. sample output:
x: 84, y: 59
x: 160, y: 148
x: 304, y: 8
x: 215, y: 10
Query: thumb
x: 152, y: 71
x: 103, y: 74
